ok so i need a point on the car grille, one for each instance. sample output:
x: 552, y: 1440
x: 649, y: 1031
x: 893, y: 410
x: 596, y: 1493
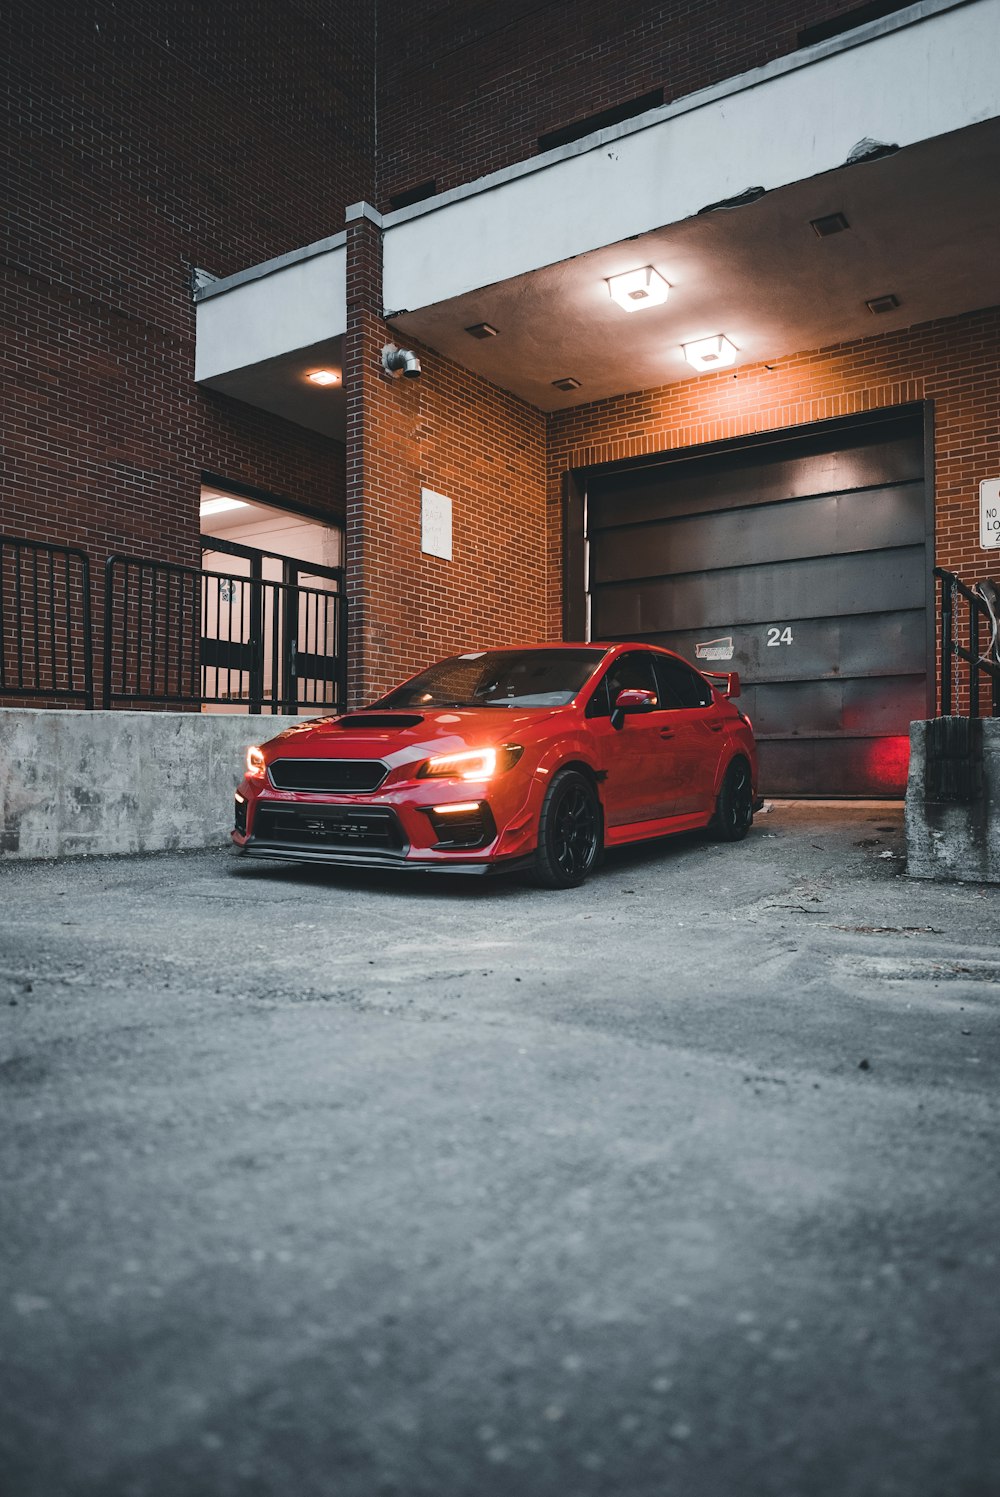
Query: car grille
x: 356, y: 775
x: 329, y: 826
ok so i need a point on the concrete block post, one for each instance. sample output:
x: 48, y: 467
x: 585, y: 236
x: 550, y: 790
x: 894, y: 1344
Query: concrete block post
x: 953, y: 819
x: 86, y: 783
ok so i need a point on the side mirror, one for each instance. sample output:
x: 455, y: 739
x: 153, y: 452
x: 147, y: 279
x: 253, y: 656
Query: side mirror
x: 632, y: 699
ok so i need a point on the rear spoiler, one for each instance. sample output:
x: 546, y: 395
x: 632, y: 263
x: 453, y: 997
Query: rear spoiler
x: 727, y: 683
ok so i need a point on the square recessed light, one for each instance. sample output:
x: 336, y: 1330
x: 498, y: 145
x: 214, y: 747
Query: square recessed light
x: 637, y: 289
x: 831, y: 223
x: 566, y: 384
x: 481, y: 330
x: 324, y: 377
x: 882, y: 303
x: 710, y: 353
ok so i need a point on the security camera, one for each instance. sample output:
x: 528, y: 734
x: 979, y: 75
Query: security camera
x: 400, y: 361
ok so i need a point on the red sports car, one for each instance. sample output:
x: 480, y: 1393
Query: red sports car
x: 534, y: 757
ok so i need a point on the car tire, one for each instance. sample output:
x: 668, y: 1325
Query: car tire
x: 570, y: 832
x: 734, y: 805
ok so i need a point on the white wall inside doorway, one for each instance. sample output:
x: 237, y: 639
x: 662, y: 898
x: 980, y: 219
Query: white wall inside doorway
x: 267, y: 528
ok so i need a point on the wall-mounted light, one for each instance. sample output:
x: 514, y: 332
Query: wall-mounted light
x: 324, y: 377
x: 710, y: 353
x: 638, y: 288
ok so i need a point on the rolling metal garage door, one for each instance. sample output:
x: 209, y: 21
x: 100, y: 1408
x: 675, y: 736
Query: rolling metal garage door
x: 801, y: 563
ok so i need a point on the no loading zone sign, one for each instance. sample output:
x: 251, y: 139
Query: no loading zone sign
x: 989, y: 514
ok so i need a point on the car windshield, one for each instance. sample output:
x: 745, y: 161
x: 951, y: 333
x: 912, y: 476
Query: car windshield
x: 499, y: 678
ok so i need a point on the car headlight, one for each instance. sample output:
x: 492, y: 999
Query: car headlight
x: 255, y: 762
x: 471, y: 764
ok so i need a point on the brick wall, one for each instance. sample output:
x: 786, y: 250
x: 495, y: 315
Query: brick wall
x: 467, y: 87
x: 453, y: 432
x: 145, y: 139
x: 954, y: 363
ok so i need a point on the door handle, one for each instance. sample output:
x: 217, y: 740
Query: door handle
x: 666, y: 732
x: 715, y: 727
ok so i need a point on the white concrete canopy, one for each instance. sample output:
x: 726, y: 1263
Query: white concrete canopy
x: 260, y: 333
x: 528, y: 249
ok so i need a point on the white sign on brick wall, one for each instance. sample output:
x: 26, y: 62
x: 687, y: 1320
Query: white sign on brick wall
x: 435, y: 524
x: 989, y: 513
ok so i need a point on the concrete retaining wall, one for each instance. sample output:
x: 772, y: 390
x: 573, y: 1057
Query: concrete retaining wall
x: 953, y: 840
x: 113, y: 782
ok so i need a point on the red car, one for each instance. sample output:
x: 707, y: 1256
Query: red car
x: 535, y: 757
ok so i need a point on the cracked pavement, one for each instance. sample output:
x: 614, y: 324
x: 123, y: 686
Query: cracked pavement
x: 683, y: 1182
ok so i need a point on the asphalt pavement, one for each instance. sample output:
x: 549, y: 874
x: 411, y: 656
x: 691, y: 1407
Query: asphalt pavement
x: 682, y: 1184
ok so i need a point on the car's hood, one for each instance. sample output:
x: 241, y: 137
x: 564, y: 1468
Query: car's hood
x: 402, y: 734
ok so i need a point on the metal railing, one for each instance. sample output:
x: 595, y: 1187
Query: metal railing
x: 46, y: 648
x: 978, y: 658
x: 176, y: 635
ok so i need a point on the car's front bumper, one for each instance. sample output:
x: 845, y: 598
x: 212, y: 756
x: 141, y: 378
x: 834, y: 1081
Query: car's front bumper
x: 467, y: 828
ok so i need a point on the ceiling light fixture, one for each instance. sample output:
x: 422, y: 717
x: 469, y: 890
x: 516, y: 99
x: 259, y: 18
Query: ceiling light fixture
x: 830, y: 223
x: 324, y: 377
x: 216, y: 504
x: 637, y: 289
x: 567, y: 384
x: 710, y: 353
x: 481, y: 330
x: 887, y: 303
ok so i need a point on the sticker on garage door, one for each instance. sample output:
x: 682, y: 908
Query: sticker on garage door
x: 715, y: 649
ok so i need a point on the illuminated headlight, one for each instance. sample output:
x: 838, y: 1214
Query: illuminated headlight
x: 255, y: 762
x: 471, y: 764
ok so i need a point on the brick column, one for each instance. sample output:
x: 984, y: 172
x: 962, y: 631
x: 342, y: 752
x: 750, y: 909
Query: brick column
x: 383, y: 465
x: 453, y: 432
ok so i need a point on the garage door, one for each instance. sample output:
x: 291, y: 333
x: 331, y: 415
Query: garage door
x: 799, y: 562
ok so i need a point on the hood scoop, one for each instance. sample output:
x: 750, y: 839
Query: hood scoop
x: 397, y: 720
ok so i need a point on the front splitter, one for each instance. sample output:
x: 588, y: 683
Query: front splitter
x: 385, y: 862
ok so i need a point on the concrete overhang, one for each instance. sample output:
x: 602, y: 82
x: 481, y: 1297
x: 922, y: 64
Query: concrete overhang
x: 261, y: 332
x: 528, y: 249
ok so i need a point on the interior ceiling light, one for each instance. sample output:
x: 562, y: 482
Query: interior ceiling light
x: 569, y: 383
x: 710, y: 353
x: 481, y: 330
x: 638, y: 288
x: 324, y: 377
x: 883, y: 303
x: 830, y: 223
x: 216, y: 504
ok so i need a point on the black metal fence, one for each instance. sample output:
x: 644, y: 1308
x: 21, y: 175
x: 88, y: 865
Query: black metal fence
x: 173, y: 635
x: 967, y: 667
x: 176, y: 635
x: 46, y: 647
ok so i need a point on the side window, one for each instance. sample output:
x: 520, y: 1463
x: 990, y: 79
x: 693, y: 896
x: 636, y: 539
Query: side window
x: 599, y: 704
x: 634, y: 670
x: 680, y: 686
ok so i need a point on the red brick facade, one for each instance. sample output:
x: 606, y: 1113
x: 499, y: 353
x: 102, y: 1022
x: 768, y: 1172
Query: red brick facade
x: 144, y: 140
x: 153, y: 137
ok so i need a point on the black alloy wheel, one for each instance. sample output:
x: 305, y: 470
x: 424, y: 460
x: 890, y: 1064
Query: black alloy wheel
x: 569, y: 832
x: 734, y: 806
